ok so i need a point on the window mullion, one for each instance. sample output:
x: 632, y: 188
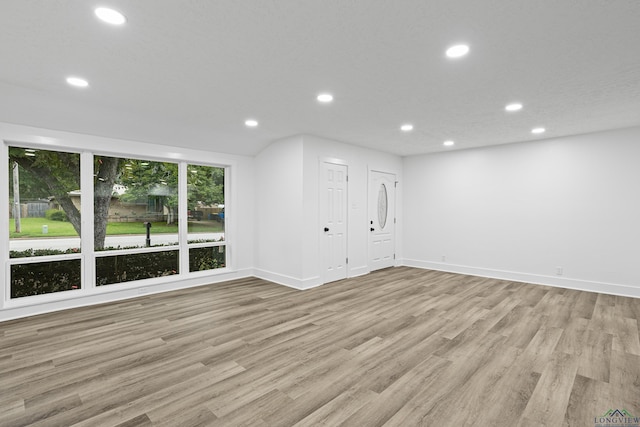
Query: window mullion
x: 87, y: 229
x: 182, y: 217
x: 4, y: 224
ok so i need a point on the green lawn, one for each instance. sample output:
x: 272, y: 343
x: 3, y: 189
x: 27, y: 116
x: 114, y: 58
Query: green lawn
x: 32, y: 227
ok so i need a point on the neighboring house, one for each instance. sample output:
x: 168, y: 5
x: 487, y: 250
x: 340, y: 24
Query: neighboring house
x: 154, y: 209
x: 151, y: 210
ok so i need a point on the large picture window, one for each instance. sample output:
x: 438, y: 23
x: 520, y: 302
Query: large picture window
x: 131, y: 196
x: 207, y: 218
x: 44, y: 195
x: 150, y: 219
x: 45, y: 221
x: 135, y: 206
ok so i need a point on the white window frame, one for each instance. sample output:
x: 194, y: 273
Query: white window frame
x: 76, y: 143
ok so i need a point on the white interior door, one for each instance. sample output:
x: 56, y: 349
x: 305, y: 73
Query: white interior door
x: 333, y: 220
x: 382, y: 211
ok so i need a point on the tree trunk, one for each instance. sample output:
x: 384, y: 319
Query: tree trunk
x: 56, y: 188
x: 60, y: 182
x: 172, y: 214
x: 102, y: 192
x: 73, y: 214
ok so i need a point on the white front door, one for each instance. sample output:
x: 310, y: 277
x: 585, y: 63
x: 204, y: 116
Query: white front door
x: 382, y: 211
x: 333, y: 220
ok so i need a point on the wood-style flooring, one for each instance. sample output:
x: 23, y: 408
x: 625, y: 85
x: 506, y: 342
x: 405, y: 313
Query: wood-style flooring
x: 398, y: 347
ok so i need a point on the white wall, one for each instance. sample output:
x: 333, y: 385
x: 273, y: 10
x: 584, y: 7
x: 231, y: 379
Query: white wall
x: 287, y: 189
x: 240, y: 217
x: 278, y: 183
x: 515, y: 211
x: 273, y: 211
x: 520, y: 211
x: 359, y: 161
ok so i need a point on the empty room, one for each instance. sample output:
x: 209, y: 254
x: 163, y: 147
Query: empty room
x: 320, y: 213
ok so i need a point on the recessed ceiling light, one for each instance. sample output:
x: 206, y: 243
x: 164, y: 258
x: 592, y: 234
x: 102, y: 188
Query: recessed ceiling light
x: 448, y: 143
x: 251, y: 123
x: 538, y: 130
x: 77, y: 82
x: 406, y: 127
x: 325, y: 97
x: 457, y: 51
x: 513, y: 107
x: 110, y: 16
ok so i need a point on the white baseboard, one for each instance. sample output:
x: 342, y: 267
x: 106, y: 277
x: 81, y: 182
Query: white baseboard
x: 41, y: 304
x: 359, y: 271
x: 303, y: 284
x: 292, y: 282
x: 536, y: 279
x: 25, y: 308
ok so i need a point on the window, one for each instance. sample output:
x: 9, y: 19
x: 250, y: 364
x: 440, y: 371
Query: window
x: 44, y: 193
x: 382, y: 206
x: 135, y: 266
x: 135, y: 206
x: 45, y: 277
x: 141, y: 229
x: 207, y: 258
x: 206, y: 217
x: 131, y: 195
x: 45, y: 221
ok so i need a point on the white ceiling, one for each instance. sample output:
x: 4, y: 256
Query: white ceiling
x: 188, y: 73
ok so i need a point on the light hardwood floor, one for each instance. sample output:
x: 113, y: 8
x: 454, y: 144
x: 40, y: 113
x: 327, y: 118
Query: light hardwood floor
x: 398, y: 347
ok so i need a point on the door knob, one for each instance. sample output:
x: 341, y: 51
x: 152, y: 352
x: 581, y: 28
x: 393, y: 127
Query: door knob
x: 326, y: 229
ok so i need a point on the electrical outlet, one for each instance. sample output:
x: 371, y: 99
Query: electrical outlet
x: 559, y: 271
x: 444, y: 258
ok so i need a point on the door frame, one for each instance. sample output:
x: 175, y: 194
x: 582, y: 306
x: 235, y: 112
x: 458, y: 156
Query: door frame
x: 321, y: 224
x: 395, y: 209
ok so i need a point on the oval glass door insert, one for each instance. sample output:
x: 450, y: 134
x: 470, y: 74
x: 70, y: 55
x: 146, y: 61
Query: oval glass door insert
x: 382, y: 206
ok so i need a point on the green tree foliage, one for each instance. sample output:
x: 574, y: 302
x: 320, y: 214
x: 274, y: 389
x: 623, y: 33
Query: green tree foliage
x: 126, y: 268
x: 45, y: 278
x: 56, y: 172
x: 31, y: 188
x: 145, y: 179
x: 55, y: 215
x: 205, y: 185
x: 52, y: 173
